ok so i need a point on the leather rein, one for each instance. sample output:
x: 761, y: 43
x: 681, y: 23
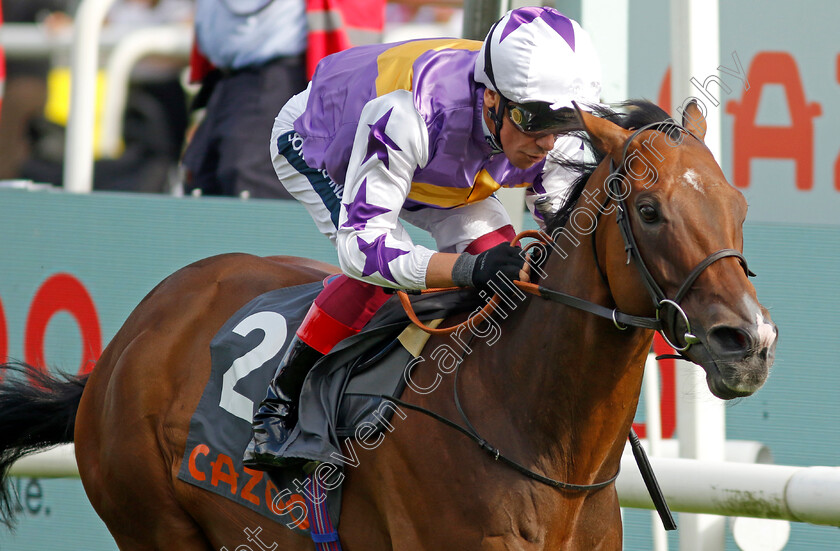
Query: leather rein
x: 660, y: 322
x: 663, y: 323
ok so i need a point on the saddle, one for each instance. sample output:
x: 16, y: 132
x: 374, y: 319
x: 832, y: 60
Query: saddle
x: 341, y: 401
x: 349, y: 381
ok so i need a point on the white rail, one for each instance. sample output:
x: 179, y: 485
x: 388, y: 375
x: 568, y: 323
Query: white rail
x: 174, y: 40
x: 169, y: 40
x: 35, y: 41
x: 28, y: 40
x: 58, y: 462
x: 653, y: 422
x: 800, y: 494
x: 24, y: 41
x: 78, y: 157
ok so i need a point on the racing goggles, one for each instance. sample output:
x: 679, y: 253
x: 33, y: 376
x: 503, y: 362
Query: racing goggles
x: 538, y: 119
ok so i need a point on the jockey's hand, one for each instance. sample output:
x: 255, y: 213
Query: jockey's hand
x: 501, y: 261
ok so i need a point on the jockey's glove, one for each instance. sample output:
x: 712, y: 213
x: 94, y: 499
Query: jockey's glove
x: 479, y: 270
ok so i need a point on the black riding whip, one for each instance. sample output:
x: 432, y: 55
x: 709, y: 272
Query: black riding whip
x: 650, y: 482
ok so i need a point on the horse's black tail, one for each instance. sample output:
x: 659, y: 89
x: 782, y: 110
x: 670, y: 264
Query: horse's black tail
x: 37, y: 410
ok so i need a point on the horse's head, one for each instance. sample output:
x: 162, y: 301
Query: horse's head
x: 681, y: 222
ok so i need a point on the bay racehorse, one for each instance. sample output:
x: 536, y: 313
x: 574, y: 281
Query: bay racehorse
x: 653, y: 240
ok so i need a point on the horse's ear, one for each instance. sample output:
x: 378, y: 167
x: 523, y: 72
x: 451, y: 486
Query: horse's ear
x: 607, y: 137
x: 694, y: 120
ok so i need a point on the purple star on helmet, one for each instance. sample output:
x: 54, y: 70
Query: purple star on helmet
x: 359, y: 211
x: 377, y: 257
x: 557, y: 21
x: 378, y: 140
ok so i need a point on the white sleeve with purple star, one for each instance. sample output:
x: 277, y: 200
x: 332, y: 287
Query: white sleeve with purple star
x: 391, y: 143
x: 556, y: 180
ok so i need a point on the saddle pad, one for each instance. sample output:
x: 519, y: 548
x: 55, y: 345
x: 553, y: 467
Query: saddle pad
x: 340, y: 395
x: 245, y: 354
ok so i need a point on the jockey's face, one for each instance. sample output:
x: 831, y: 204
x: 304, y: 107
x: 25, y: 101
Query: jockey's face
x: 522, y: 150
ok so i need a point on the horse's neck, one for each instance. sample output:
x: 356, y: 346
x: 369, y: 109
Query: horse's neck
x: 576, y: 377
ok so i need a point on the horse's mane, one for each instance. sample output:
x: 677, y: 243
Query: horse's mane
x: 633, y: 114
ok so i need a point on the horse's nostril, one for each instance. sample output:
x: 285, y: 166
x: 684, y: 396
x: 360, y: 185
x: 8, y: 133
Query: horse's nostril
x: 730, y: 340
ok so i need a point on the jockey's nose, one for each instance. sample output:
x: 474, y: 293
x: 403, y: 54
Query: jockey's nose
x: 546, y: 143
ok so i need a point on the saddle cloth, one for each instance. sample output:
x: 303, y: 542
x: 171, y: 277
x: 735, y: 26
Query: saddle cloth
x: 340, y: 401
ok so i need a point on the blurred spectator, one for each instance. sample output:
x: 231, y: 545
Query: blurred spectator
x: 155, y: 117
x: 143, y: 13
x: 157, y: 106
x: 26, y: 83
x: 251, y: 56
x: 410, y: 19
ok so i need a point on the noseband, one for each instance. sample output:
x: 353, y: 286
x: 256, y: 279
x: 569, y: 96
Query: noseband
x: 667, y: 323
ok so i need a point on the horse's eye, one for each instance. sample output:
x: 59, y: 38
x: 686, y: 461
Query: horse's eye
x: 649, y: 213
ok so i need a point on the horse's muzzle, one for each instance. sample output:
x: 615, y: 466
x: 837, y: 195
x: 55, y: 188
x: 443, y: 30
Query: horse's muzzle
x: 742, y: 356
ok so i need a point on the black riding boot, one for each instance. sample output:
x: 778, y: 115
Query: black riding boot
x: 278, y: 413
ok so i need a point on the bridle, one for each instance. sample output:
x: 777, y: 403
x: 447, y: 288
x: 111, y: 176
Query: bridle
x: 661, y: 302
x: 662, y: 322
x: 668, y: 310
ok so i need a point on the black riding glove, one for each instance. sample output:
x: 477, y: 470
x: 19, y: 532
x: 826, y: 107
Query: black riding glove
x: 503, y: 260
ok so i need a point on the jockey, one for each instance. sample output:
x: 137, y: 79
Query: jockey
x: 423, y: 132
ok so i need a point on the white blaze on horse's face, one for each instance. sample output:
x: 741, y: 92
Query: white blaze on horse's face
x: 694, y: 220
x: 766, y: 332
x: 692, y: 179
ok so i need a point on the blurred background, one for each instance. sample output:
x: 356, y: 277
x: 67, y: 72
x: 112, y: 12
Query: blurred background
x: 97, y: 206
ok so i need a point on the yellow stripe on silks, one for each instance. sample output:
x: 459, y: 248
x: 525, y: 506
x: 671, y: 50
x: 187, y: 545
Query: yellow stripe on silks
x: 439, y: 196
x: 396, y: 65
x: 483, y: 187
x: 448, y: 197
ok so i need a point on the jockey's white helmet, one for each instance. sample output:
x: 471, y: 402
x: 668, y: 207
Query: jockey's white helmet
x: 537, y: 54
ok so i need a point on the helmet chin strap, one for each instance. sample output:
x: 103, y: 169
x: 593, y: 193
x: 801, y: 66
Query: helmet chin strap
x: 498, y: 118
